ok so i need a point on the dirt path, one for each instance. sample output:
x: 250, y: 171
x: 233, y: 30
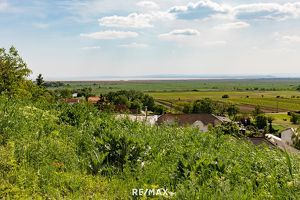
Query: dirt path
x: 249, y: 108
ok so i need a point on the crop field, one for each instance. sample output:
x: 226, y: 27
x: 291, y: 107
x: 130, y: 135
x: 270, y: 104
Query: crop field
x: 187, y: 85
x: 269, y: 100
x: 271, y: 94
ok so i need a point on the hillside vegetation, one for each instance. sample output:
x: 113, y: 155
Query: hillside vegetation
x: 52, y: 150
x: 59, y: 151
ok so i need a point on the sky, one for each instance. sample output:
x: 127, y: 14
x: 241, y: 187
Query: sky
x: 94, y: 38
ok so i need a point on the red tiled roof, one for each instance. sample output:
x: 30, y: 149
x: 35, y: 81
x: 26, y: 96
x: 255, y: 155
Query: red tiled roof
x: 72, y: 100
x: 93, y: 99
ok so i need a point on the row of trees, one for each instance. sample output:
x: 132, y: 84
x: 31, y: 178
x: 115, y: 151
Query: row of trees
x: 211, y: 107
x: 135, y: 101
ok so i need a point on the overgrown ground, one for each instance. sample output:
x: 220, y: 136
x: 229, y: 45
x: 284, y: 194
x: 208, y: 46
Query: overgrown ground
x: 74, y: 152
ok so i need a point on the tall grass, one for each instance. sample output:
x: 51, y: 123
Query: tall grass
x: 75, y: 152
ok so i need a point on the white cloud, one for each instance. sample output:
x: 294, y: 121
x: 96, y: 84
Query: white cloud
x: 107, y: 35
x: 201, y: 9
x: 273, y: 11
x: 134, y: 20
x: 91, y: 48
x: 148, y: 5
x: 255, y: 11
x: 232, y: 25
x: 180, y: 33
x: 135, y: 45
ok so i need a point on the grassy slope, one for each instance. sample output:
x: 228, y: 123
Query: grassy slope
x: 43, y: 155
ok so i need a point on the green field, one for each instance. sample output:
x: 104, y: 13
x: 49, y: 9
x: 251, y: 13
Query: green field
x: 188, y: 85
x: 271, y: 94
x: 268, y: 99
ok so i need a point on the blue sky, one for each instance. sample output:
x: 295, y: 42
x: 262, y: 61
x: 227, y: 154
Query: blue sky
x: 89, y: 38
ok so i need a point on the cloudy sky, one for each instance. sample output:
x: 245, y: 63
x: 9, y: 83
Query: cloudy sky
x: 89, y: 38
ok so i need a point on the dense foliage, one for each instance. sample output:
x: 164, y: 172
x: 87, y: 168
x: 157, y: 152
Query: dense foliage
x: 132, y: 100
x: 13, y: 72
x: 75, y: 152
x: 295, y: 118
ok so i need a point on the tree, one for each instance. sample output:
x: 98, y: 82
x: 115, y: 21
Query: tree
x: 244, y: 119
x: 149, y: 102
x: 298, y: 88
x: 122, y: 100
x: 270, y: 121
x: 159, y: 109
x: 64, y: 93
x: 204, y: 106
x: 295, y: 118
x: 228, y: 128
x: 40, y: 80
x: 233, y: 110
x: 13, y: 72
x: 257, y: 111
x: 261, y: 121
x: 136, y: 106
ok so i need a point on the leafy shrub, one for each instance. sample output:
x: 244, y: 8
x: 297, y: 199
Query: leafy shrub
x: 225, y: 96
x: 204, y: 106
x: 261, y: 121
x: 159, y: 109
x: 295, y: 118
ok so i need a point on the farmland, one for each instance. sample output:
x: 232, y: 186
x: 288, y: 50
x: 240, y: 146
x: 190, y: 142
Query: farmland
x: 188, y: 85
x: 271, y: 94
x: 267, y: 99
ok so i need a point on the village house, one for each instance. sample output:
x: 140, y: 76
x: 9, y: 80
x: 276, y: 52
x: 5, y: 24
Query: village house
x: 287, y: 136
x: 280, y: 143
x: 149, y: 120
x: 75, y: 95
x: 260, y: 140
x: 72, y: 101
x: 93, y: 100
x: 201, y: 121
